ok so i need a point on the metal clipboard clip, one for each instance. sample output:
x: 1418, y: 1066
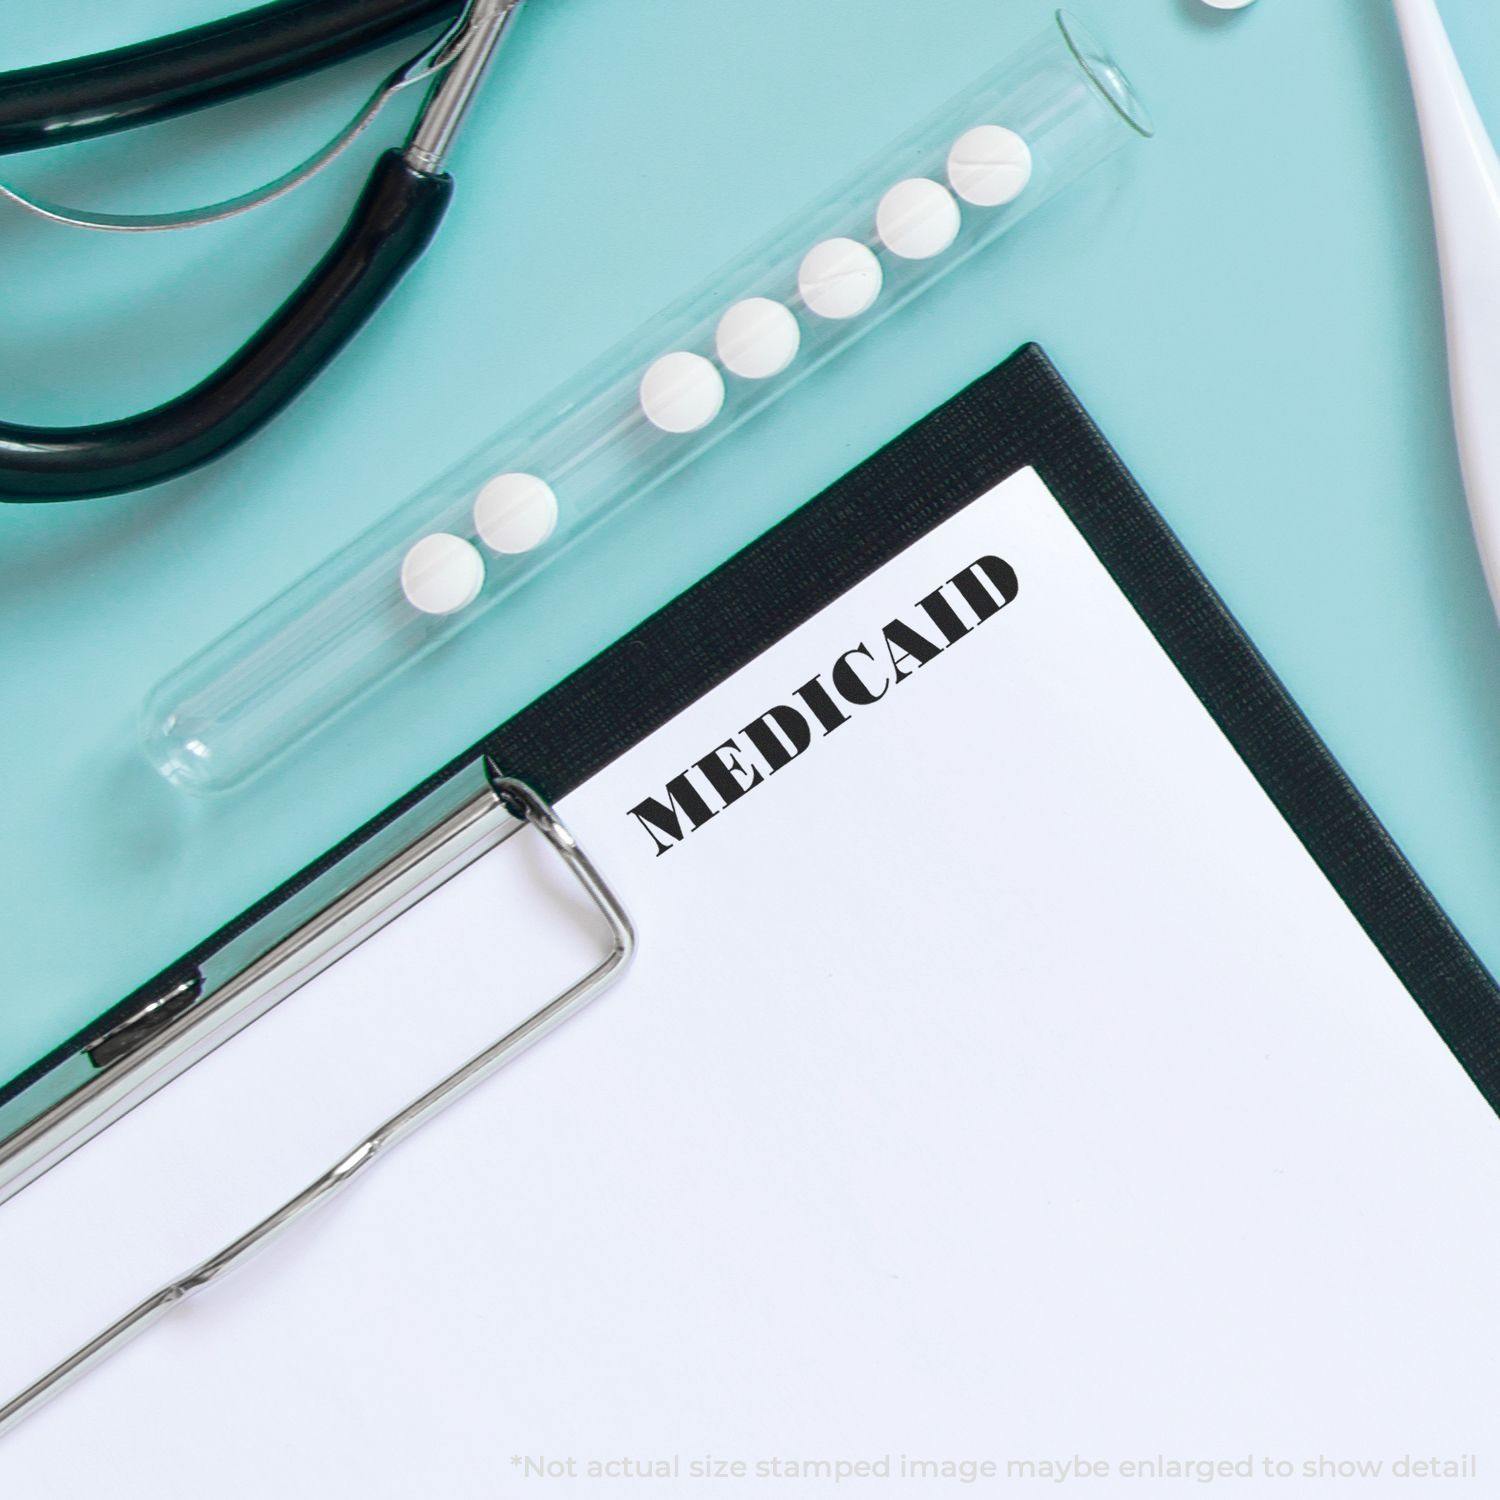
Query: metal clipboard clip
x: 478, y: 825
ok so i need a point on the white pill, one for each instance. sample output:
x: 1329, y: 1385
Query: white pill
x: 515, y: 512
x: 839, y: 278
x: 757, y: 338
x: 682, y: 392
x: 989, y: 165
x: 917, y: 219
x: 1228, y: 4
x: 441, y: 573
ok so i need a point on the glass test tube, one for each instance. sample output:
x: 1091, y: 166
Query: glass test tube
x: 444, y: 558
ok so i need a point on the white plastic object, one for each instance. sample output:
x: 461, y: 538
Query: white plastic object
x: 1464, y: 175
x: 989, y: 165
x: 681, y: 392
x: 757, y: 338
x: 917, y: 219
x: 514, y: 513
x: 839, y: 278
x: 441, y: 573
x: 348, y: 629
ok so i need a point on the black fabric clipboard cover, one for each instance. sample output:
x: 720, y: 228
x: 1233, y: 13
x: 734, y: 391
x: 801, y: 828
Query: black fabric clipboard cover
x: 1021, y: 414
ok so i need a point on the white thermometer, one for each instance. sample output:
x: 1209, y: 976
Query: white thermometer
x: 1464, y: 173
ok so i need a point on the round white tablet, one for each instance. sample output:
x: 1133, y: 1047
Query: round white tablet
x: 682, y: 392
x: 1228, y: 4
x: 917, y: 219
x: 757, y: 338
x: 515, y: 512
x: 989, y: 165
x: 839, y: 278
x: 441, y: 573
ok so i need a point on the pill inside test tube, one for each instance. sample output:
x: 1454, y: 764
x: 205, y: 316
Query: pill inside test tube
x: 442, y: 560
x: 757, y: 338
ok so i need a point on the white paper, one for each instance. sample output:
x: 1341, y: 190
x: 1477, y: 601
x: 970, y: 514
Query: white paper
x: 999, y: 1082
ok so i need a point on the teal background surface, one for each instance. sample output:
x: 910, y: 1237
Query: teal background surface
x: 1248, y: 305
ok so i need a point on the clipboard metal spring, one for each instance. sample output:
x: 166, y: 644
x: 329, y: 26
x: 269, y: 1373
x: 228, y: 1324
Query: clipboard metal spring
x: 524, y: 804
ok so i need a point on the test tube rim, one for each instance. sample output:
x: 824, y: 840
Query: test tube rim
x: 1118, y: 92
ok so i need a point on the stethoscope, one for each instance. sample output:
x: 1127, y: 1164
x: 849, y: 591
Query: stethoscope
x: 392, y: 222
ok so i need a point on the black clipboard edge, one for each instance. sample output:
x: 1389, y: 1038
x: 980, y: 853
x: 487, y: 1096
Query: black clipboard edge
x: 1020, y: 414
x: 1023, y: 413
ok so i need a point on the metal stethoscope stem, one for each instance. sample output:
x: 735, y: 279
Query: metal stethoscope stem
x: 484, y: 28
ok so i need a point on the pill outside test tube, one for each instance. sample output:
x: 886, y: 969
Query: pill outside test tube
x: 445, y: 557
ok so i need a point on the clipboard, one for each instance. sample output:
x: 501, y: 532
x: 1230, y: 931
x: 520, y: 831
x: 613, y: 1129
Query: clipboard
x: 1020, y: 415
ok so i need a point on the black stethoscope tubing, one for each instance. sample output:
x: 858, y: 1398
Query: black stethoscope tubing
x: 392, y: 222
